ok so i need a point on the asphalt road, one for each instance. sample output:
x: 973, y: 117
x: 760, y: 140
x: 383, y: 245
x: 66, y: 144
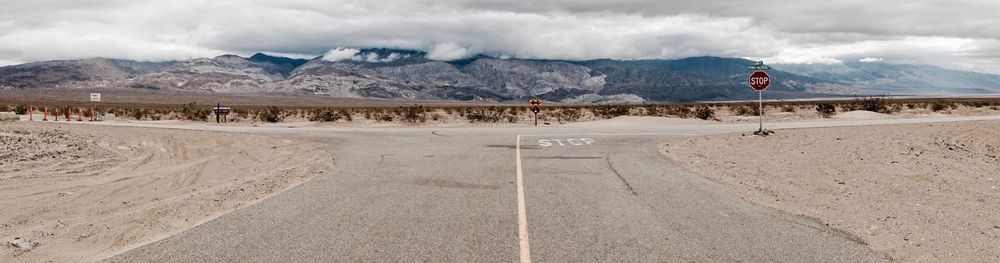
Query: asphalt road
x: 593, y: 194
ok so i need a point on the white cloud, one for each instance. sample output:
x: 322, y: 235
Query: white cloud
x: 340, y: 54
x: 788, y: 31
x: 870, y: 60
x: 448, y: 51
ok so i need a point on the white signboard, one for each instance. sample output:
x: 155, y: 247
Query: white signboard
x: 95, y: 97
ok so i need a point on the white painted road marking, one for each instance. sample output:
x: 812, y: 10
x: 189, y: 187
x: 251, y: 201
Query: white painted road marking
x: 566, y: 142
x: 522, y: 210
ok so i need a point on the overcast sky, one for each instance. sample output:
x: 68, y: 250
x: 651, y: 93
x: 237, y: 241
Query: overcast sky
x: 955, y: 34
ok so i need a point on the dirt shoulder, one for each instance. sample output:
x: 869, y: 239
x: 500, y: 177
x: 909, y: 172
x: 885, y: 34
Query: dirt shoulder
x: 918, y: 193
x: 81, y: 193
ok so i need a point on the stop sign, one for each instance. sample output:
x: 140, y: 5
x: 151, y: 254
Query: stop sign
x: 759, y: 80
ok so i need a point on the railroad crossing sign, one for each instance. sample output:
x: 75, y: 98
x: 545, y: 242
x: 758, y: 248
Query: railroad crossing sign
x: 759, y: 80
x: 535, y: 108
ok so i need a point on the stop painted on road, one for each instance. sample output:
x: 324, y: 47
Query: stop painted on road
x: 566, y: 142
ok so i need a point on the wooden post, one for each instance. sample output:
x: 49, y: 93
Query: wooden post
x: 30, y: 109
x: 56, y: 115
x: 79, y: 114
x: 45, y: 117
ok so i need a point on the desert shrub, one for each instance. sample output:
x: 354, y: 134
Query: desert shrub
x: 826, y: 110
x: 324, y: 115
x: 490, y: 114
x: 788, y: 108
x: 270, y: 114
x: 137, y: 114
x: 414, y: 114
x: 567, y: 114
x: 379, y: 116
x: 939, y: 106
x: 704, y: 113
x: 682, y: 111
x: 21, y: 109
x: 873, y: 104
x: 610, y: 111
x: 744, y: 110
x: 346, y: 114
x: 191, y: 111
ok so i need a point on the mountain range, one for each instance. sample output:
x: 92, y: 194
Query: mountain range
x: 407, y: 74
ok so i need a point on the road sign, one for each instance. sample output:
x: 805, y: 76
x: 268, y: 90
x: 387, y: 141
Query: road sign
x: 759, y: 80
x: 95, y: 97
x: 535, y: 108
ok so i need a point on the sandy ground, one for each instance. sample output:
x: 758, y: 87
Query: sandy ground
x: 81, y: 193
x: 918, y: 193
x: 809, y: 113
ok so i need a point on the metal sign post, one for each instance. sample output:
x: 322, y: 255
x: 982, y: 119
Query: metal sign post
x: 221, y: 113
x: 535, y: 108
x: 759, y: 81
x: 95, y: 98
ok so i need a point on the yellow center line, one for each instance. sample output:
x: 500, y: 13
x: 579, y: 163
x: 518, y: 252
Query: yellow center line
x: 522, y: 210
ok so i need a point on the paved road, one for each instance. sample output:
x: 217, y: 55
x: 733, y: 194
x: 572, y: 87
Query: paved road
x: 598, y: 194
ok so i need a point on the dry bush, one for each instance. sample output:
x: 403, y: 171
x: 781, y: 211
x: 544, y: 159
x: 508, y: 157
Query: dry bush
x: 567, y: 114
x: 704, y: 113
x: 489, y: 115
x: 788, y: 108
x: 826, y: 110
x: 610, y: 111
x: 193, y: 112
x: 271, y: 114
x: 324, y: 115
x: 744, y: 110
x: 413, y: 114
x: 21, y: 109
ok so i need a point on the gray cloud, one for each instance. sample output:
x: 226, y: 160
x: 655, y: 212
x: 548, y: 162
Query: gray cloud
x: 955, y: 34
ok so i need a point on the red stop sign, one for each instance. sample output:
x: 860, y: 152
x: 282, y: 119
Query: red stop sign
x: 759, y: 80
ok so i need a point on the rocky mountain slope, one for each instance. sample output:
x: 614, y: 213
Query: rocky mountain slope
x: 879, y: 78
x: 404, y: 74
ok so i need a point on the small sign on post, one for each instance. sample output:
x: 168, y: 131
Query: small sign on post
x: 95, y: 97
x: 221, y: 113
x: 759, y: 81
x: 536, y: 107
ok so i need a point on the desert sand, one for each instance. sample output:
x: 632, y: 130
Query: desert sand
x: 918, y: 193
x: 80, y: 193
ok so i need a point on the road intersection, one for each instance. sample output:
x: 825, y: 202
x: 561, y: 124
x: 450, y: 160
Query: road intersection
x: 556, y: 194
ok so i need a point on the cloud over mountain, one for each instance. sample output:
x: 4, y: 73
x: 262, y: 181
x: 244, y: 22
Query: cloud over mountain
x: 954, y: 34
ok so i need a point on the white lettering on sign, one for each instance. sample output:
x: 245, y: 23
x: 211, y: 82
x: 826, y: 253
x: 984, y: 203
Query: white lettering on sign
x: 565, y: 142
x: 758, y: 80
